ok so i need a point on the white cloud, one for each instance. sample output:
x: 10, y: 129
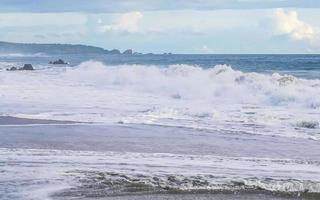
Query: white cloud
x: 99, y: 21
x: 289, y: 24
x: 127, y: 23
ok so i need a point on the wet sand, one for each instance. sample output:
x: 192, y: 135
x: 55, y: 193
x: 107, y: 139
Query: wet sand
x: 156, y: 139
x: 124, y: 138
x: 7, y: 120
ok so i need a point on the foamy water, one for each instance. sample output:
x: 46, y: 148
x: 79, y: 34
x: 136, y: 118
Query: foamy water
x: 43, y: 174
x: 217, y: 98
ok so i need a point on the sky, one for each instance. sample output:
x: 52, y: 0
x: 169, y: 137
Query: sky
x: 158, y: 26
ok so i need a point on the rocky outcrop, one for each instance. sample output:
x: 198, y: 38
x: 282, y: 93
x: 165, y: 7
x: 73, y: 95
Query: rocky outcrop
x: 26, y: 67
x: 12, y: 69
x: 58, y: 62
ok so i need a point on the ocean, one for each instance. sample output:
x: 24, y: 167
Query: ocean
x: 161, y: 127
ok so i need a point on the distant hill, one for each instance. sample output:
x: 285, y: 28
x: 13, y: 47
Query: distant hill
x: 8, y: 47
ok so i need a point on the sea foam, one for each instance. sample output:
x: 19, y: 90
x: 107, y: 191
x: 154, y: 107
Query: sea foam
x: 218, y: 97
x: 68, y: 174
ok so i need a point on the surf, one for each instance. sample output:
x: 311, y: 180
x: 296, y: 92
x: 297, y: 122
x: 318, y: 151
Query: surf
x: 217, y: 97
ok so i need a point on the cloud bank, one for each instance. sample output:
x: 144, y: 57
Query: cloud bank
x: 288, y: 23
x: 111, y: 6
x: 126, y: 23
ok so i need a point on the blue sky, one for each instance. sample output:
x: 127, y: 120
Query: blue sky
x: 180, y: 26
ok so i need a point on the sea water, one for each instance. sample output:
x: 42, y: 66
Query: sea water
x: 257, y: 96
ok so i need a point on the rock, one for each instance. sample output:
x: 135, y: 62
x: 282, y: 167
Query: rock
x: 128, y: 52
x: 12, y: 69
x: 58, y: 62
x: 308, y: 124
x: 28, y: 67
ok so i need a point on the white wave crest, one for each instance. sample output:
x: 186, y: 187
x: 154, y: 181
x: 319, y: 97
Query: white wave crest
x: 218, y: 83
x: 218, y: 97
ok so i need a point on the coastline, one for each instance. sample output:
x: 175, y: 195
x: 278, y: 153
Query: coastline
x: 9, y: 120
x: 156, y: 139
x: 127, y: 161
x: 200, y: 196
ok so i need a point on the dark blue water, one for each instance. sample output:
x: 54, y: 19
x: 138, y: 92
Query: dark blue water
x: 305, y: 66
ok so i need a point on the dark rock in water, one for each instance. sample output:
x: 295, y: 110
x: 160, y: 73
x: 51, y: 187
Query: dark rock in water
x: 12, y: 69
x: 128, y: 52
x: 308, y: 124
x: 27, y: 67
x: 58, y: 62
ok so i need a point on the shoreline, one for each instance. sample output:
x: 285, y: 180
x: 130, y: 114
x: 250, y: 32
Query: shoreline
x: 121, y: 162
x: 151, y: 139
x: 9, y: 120
x: 210, y: 195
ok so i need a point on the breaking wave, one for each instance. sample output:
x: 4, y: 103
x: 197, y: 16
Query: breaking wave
x: 220, y: 83
x: 177, y: 95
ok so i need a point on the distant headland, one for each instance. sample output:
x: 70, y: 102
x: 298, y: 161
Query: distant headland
x: 33, y: 48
